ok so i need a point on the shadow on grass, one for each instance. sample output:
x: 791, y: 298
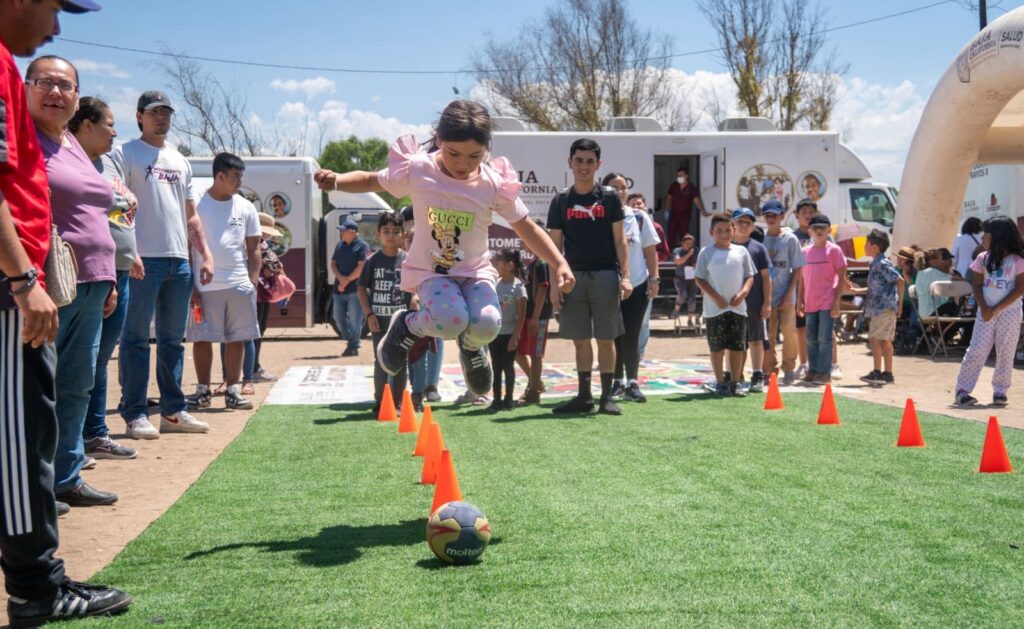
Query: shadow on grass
x: 334, y: 545
x: 359, y: 412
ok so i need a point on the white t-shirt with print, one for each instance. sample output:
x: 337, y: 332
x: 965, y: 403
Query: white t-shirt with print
x: 725, y: 270
x: 639, y: 233
x: 227, y: 224
x: 999, y: 284
x: 161, y: 179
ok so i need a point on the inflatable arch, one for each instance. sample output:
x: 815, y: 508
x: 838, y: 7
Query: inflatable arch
x: 975, y: 114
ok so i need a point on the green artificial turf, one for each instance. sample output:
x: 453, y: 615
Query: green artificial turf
x: 683, y: 511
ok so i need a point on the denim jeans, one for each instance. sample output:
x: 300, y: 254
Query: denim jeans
x: 164, y: 293
x: 427, y: 370
x: 110, y: 335
x: 348, y: 316
x: 819, y: 341
x: 78, y: 342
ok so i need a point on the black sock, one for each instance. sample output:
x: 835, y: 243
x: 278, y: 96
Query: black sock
x: 584, y: 392
x: 606, y: 385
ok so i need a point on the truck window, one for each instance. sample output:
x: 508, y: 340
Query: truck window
x: 870, y: 205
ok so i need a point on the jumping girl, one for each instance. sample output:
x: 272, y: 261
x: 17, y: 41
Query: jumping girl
x: 454, y: 193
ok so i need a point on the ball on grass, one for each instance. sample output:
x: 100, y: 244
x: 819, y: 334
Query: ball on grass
x: 458, y: 533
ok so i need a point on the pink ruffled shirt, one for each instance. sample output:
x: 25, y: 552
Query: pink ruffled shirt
x: 452, y: 215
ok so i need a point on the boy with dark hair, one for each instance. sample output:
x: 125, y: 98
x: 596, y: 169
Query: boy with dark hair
x: 884, y: 299
x: 725, y: 272
x: 586, y: 220
x: 759, y: 300
x: 380, y: 297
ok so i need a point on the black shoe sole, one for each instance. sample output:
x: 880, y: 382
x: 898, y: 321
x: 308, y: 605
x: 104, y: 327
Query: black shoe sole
x: 35, y: 621
x: 574, y: 411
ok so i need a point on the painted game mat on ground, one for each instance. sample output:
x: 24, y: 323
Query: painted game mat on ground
x: 329, y: 384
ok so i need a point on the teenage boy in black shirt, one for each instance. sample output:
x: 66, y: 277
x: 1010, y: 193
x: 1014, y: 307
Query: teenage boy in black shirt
x: 585, y: 221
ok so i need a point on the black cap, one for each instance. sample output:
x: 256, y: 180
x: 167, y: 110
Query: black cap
x: 80, y: 6
x: 154, y: 98
x: 804, y: 202
x: 819, y: 220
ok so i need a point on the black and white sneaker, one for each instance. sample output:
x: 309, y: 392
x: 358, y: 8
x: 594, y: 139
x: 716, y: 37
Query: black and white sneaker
x: 475, y: 367
x: 757, y: 382
x: 236, y: 402
x: 963, y: 398
x: 72, y: 600
x: 875, y: 378
x: 608, y: 407
x: 736, y: 389
x: 199, y: 399
x: 1000, y: 400
x: 618, y: 391
x: 634, y: 394
x: 393, y: 349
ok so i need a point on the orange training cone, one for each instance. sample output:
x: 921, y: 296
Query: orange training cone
x: 421, y: 439
x: 435, y: 444
x: 407, y: 422
x: 387, y: 406
x: 447, y: 487
x: 910, y: 429
x: 773, y: 401
x: 828, y: 413
x: 994, y: 459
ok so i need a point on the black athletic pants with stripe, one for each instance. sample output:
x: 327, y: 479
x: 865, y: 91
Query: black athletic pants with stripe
x: 627, y: 344
x: 28, y: 442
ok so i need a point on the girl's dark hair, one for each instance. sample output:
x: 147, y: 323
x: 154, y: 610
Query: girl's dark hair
x: 608, y: 178
x: 89, y: 108
x: 1004, y: 241
x: 511, y: 255
x: 391, y: 217
x: 972, y: 226
x: 460, y: 121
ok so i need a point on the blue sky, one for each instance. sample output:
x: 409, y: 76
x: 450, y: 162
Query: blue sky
x: 893, y: 63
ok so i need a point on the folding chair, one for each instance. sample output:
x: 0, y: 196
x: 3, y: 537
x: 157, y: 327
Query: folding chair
x: 929, y: 325
x: 955, y: 290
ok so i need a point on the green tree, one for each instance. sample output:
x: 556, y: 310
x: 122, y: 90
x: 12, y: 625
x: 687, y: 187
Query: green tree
x: 354, y: 154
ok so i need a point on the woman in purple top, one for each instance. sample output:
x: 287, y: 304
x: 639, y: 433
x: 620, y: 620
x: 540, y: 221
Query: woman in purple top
x: 80, y: 197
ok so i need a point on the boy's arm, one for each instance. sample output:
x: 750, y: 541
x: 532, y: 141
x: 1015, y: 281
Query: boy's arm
x: 794, y: 281
x: 901, y: 288
x: 709, y: 291
x: 838, y: 292
x: 766, y: 288
x: 742, y: 295
x: 622, y: 253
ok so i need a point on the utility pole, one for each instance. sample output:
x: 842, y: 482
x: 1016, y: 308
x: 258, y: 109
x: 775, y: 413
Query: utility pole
x: 982, y: 14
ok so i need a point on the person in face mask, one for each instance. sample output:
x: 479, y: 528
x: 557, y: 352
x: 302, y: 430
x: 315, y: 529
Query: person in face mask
x: 682, y: 196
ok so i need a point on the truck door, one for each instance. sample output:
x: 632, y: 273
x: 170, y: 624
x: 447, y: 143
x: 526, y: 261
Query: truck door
x: 712, y: 186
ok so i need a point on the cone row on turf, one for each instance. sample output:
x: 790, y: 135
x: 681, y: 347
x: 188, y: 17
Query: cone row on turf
x: 994, y: 458
x: 828, y: 413
x: 773, y: 401
x: 435, y: 444
x: 387, y: 411
x: 421, y: 438
x: 447, y: 487
x: 910, y: 428
x: 407, y: 422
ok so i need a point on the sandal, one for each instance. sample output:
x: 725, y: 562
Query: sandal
x: 221, y: 389
x: 248, y: 388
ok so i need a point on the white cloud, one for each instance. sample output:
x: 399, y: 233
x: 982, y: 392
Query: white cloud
x: 310, y: 87
x: 103, y: 68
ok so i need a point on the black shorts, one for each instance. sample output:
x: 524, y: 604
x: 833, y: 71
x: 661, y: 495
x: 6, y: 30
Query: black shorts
x: 727, y: 331
x: 801, y: 322
x: 757, y: 329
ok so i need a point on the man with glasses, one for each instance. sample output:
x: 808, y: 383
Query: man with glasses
x: 165, y: 224
x: 33, y: 577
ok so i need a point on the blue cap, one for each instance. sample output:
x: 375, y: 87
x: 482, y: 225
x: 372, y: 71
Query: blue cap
x: 742, y: 212
x: 773, y: 207
x: 348, y: 223
x: 80, y: 6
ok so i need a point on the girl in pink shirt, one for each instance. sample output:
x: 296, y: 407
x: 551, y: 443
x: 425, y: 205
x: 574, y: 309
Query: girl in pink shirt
x: 454, y: 194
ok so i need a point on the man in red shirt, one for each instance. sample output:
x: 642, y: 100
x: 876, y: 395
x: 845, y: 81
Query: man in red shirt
x: 680, y: 199
x: 39, y: 591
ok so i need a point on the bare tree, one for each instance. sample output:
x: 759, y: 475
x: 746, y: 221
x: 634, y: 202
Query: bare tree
x: 213, y: 115
x: 744, y: 29
x: 587, y: 61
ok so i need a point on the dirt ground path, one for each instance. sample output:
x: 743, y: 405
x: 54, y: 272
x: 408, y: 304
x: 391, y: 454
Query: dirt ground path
x: 167, y: 467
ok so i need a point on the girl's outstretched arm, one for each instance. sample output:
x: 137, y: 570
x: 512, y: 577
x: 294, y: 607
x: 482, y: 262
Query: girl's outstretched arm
x: 355, y: 181
x: 541, y: 244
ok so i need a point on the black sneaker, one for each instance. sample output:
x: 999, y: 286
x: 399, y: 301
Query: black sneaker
x: 887, y: 377
x: 757, y: 382
x: 236, y: 402
x: 63, y: 508
x: 575, y: 405
x: 1000, y: 400
x: 736, y: 390
x: 618, y: 391
x: 508, y: 405
x: 393, y: 349
x: 875, y: 377
x: 199, y: 400
x: 72, y: 600
x: 723, y: 389
x: 634, y: 394
x: 417, y: 402
x: 608, y: 407
x: 476, y: 368
x: 349, y: 352
x: 86, y: 495
x: 963, y: 398
x: 496, y: 405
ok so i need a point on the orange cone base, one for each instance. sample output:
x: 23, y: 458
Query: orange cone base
x: 387, y: 411
x: 828, y: 415
x: 773, y: 401
x: 994, y: 459
x: 407, y: 422
x: 910, y: 429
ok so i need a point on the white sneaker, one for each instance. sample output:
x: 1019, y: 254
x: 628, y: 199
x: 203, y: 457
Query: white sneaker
x: 837, y: 373
x: 801, y: 372
x: 182, y: 422
x: 141, y: 429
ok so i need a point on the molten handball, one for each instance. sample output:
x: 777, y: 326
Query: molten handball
x: 458, y: 533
